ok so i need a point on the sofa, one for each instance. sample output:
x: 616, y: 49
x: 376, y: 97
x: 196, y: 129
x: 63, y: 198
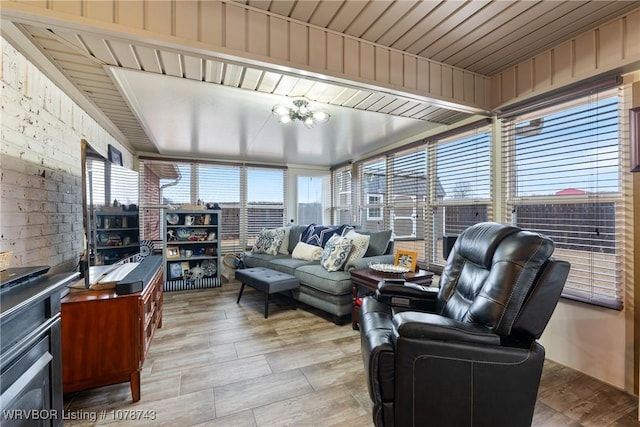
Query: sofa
x: 329, y: 291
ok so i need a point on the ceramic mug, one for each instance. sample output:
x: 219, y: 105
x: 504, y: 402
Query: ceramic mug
x: 188, y: 253
x: 189, y: 219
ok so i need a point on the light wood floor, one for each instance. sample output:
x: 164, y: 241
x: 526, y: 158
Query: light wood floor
x: 216, y: 363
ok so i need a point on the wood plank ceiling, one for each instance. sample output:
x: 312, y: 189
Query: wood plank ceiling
x: 481, y: 36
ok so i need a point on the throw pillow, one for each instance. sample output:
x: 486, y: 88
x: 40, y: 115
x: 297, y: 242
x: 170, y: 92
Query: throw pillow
x: 335, y: 253
x: 284, y: 247
x: 306, y: 252
x: 269, y: 241
x: 378, y: 242
x: 319, y: 235
x: 360, y: 245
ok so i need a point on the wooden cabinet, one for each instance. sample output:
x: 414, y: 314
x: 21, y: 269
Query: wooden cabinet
x: 192, y: 249
x: 106, y: 336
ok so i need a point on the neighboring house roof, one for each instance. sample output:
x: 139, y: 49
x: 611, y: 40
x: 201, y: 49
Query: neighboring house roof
x: 571, y: 192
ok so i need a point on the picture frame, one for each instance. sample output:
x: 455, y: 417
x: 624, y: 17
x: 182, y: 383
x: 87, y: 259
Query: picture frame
x: 173, y: 252
x: 175, y: 270
x: 406, y: 258
x: 115, y: 155
x: 634, y: 138
x: 186, y: 269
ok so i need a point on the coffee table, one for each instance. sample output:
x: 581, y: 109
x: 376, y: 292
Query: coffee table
x: 365, y: 281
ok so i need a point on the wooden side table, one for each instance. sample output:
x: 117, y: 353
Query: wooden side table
x: 367, y: 280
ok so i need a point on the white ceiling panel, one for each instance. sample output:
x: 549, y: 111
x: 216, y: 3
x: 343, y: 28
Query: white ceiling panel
x: 238, y: 124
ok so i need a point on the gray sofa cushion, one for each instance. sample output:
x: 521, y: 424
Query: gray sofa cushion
x: 294, y: 236
x: 260, y: 260
x: 378, y: 242
x: 316, y: 277
x: 289, y: 265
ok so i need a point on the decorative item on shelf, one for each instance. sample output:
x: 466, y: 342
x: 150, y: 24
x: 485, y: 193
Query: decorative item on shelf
x: 103, y: 238
x: 173, y: 219
x: 210, y: 251
x: 173, y: 252
x: 210, y: 267
x: 175, y: 270
x: 189, y: 220
x: 183, y: 233
x: 406, y: 258
x: 171, y: 235
x: 196, y: 273
x: 185, y: 269
x: 301, y: 112
x: 211, y: 236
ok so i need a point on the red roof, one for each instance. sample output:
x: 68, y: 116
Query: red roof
x: 570, y: 192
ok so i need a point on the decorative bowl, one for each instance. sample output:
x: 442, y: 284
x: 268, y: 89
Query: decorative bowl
x: 173, y: 218
x: 183, y: 233
x: 389, y: 268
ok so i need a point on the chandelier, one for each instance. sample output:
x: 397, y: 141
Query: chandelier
x: 300, y: 112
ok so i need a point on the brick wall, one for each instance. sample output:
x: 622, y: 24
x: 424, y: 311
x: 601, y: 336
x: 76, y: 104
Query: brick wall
x: 40, y: 163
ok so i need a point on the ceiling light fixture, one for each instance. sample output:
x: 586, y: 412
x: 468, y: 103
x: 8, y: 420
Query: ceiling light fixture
x: 300, y: 112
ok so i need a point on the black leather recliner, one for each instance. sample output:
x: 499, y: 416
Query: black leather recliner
x: 466, y: 354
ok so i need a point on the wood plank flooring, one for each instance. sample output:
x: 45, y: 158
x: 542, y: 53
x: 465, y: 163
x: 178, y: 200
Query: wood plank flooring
x: 217, y: 363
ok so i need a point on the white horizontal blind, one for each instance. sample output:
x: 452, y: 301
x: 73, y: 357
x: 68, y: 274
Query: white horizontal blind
x: 124, y: 185
x: 407, y: 197
x: 563, y: 179
x: 221, y: 184
x: 342, y: 196
x: 250, y: 198
x: 373, y: 190
x: 461, y: 188
x: 96, y: 181
x: 265, y: 200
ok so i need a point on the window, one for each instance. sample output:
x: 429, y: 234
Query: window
x: 250, y: 198
x: 373, y: 184
x: 341, y: 195
x: 265, y: 200
x: 563, y: 179
x: 407, y: 182
x: 461, y: 190
x: 221, y: 184
x: 309, y: 200
x: 374, y: 213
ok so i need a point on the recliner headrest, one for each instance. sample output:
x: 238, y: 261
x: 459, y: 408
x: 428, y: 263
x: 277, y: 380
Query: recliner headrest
x: 478, y: 243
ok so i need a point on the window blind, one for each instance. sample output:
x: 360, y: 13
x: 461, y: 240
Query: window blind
x: 342, y: 195
x: 373, y: 215
x: 250, y: 197
x: 221, y: 184
x: 461, y: 185
x: 563, y: 179
x: 265, y: 200
x: 407, y: 196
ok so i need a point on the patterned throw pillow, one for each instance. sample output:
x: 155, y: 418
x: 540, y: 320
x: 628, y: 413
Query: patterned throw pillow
x: 319, y: 235
x: 269, y: 241
x: 360, y: 245
x: 284, y: 247
x: 335, y: 253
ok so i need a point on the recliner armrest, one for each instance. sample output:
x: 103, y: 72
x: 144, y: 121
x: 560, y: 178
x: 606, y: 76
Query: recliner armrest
x: 407, y: 296
x: 434, y: 327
